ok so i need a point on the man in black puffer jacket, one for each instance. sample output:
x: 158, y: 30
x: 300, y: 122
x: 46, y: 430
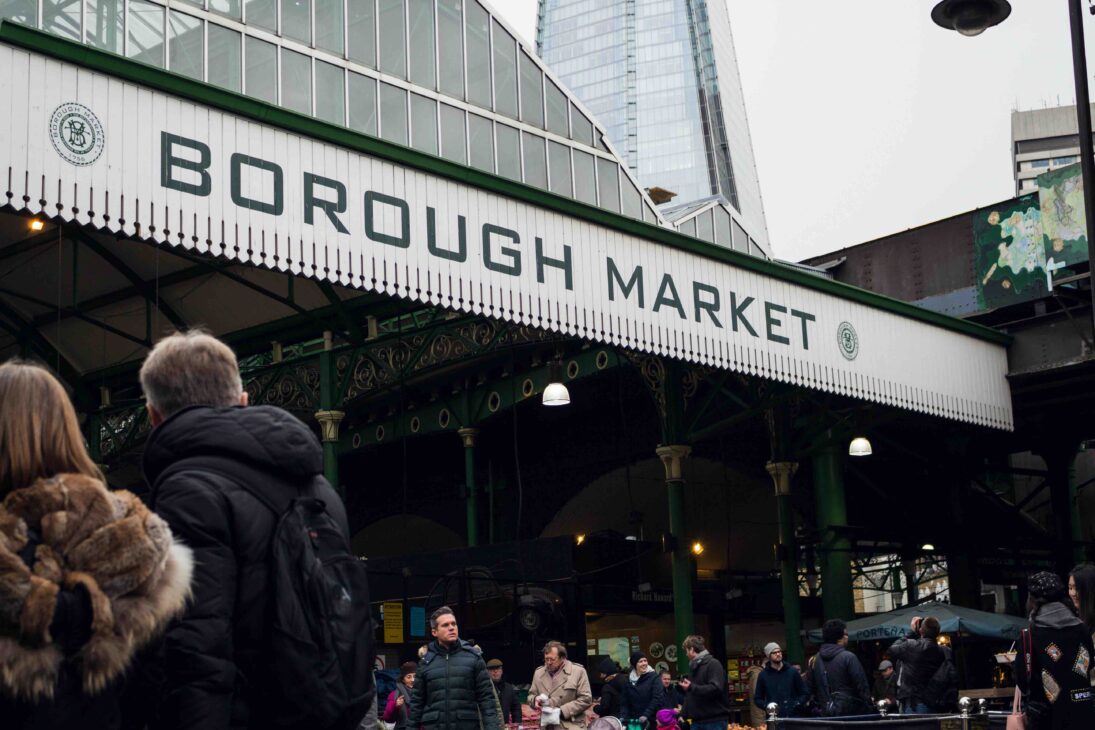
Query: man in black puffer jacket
x: 217, y: 672
x: 837, y: 681
x: 452, y: 690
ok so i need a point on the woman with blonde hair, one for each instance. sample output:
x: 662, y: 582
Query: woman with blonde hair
x: 87, y: 576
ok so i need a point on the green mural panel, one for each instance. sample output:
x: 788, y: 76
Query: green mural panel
x: 1009, y: 253
x: 1063, y: 224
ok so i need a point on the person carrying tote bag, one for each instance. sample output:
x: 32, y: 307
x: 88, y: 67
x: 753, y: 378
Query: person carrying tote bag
x: 1017, y: 720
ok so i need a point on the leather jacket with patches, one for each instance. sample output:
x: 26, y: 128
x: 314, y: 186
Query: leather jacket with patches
x: 1057, y: 688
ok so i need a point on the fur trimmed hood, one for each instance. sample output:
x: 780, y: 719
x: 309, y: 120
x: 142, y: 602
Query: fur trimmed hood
x: 136, y: 575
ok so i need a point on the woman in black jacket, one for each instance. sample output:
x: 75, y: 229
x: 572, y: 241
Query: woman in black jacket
x: 612, y: 691
x: 643, y: 693
x: 1054, y: 667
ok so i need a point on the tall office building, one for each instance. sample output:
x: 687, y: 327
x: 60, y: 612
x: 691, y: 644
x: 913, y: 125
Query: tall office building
x: 1042, y: 140
x: 661, y: 75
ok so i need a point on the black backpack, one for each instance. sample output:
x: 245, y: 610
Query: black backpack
x: 941, y: 691
x: 321, y: 645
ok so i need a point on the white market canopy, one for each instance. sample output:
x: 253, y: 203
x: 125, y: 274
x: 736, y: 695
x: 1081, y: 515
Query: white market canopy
x: 104, y: 142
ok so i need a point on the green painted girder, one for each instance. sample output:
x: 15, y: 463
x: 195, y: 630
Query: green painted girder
x: 54, y: 313
x: 147, y: 290
x: 476, y: 404
x: 28, y: 335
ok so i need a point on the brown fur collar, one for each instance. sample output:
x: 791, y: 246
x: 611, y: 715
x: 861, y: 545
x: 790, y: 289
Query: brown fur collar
x: 138, y: 578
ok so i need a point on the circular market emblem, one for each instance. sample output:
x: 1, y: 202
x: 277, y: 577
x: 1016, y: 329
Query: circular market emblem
x: 657, y: 650
x: 847, y: 340
x: 76, y: 134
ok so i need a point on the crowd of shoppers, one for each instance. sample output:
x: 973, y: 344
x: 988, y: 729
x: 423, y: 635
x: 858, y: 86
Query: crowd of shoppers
x: 193, y: 611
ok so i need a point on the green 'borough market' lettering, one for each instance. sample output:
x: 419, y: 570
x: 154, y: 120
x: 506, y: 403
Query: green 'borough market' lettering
x: 186, y: 164
x: 707, y: 300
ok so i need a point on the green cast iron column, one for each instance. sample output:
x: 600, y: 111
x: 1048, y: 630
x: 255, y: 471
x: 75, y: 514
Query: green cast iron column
x: 836, y: 549
x: 672, y: 457
x: 329, y: 419
x: 781, y: 472
x: 468, y: 435
x: 94, y: 426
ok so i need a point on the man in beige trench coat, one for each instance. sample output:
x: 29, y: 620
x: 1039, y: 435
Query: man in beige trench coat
x: 566, y: 686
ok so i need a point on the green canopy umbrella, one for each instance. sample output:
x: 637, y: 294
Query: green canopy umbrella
x: 952, y: 619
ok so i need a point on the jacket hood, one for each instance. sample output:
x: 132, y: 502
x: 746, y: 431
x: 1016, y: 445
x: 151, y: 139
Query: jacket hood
x: 265, y: 437
x: 828, y: 651
x: 436, y: 648
x: 1056, y: 615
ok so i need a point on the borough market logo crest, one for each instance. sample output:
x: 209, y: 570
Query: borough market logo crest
x: 76, y: 134
x: 847, y: 340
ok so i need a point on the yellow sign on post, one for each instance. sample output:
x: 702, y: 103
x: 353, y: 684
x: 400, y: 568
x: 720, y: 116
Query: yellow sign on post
x: 393, y: 622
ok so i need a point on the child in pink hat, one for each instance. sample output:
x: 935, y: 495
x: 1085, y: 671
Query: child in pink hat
x: 667, y: 720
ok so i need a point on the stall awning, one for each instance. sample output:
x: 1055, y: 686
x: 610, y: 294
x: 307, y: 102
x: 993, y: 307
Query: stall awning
x: 105, y: 142
x: 895, y: 624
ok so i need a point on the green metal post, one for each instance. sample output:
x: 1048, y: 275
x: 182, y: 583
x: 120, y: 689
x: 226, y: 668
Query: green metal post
x: 468, y: 435
x: 329, y: 419
x: 832, y: 521
x: 671, y: 457
x: 1079, y: 554
x: 1058, y: 457
x: 782, y: 472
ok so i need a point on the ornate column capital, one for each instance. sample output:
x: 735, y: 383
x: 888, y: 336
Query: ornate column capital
x: 468, y: 436
x: 328, y: 423
x: 782, y: 472
x: 672, y: 456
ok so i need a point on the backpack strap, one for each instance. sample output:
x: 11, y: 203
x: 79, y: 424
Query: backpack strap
x: 822, y: 678
x: 277, y: 500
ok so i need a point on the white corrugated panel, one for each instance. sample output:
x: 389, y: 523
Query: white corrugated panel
x: 802, y: 335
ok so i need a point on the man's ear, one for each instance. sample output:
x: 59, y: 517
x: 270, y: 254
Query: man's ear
x: 154, y: 416
x: 244, y: 400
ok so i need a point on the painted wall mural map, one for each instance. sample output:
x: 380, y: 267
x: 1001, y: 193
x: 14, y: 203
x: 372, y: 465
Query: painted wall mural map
x: 1009, y: 253
x: 1022, y: 246
x: 1062, y: 195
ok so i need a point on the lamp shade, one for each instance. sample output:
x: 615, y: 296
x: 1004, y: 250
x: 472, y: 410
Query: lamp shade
x: 970, y: 17
x: 859, y: 446
x: 556, y: 394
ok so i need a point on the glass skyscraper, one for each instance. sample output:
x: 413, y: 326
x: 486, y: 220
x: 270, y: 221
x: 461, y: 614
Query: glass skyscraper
x: 662, y: 77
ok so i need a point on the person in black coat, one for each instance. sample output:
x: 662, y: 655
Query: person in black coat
x: 507, y: 695
x: 781, y: 684
x: 837, y: 681
x: 217, y: 668
x: 706, y: 700
x: 920, y: 656
x: 452, y: 690
x: 612, y: 691
x: 643, y: 693
x: 1058, y: 650
x: 672, y: 696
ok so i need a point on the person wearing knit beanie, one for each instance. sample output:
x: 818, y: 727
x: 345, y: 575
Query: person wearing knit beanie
x: 667, y: 719
x: 644, y: 693
x: 396, y: 710
x: 769, y: 648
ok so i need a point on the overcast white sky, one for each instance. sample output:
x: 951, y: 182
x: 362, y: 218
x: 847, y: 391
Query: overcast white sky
x: 868, y: 119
